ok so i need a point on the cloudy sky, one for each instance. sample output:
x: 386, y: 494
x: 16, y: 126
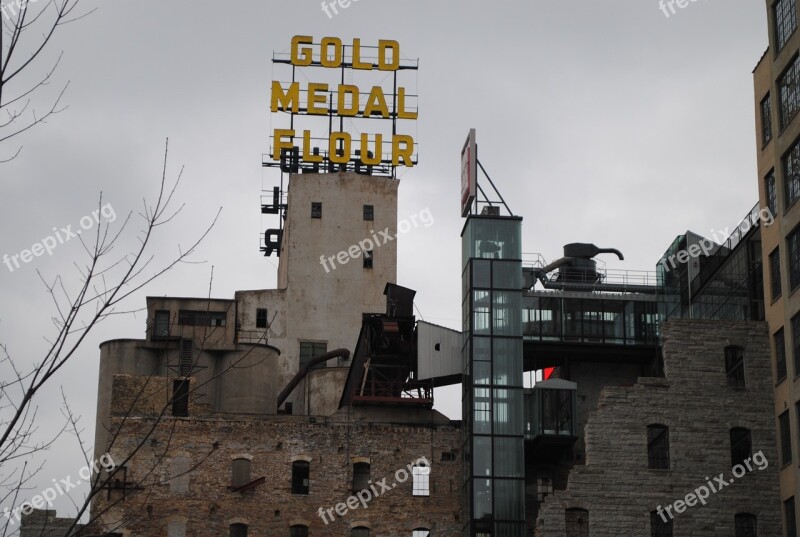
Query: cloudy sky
x: 602, y: 122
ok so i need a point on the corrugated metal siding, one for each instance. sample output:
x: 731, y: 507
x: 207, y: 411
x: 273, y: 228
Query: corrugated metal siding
x: 444, y: 362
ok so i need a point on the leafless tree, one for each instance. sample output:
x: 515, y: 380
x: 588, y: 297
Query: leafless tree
x: 27, y: 28
x: 106, y: 280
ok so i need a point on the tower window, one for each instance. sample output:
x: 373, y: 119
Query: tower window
x: 368, y: 259
x: 421, y: 532
x: 658, y: 447
x: 316, y: 209
x: 261, y: 318
x: 300, y: 477
x: 359, y: 531
x: 369, y: 212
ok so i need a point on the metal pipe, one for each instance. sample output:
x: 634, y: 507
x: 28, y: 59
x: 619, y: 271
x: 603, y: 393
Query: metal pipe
x: 338, y: 353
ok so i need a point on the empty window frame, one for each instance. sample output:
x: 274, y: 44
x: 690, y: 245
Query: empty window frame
x: 360, y: 476
x: 775, y: 273
x: 780, y: 355
x: 734, y: 366
x: 793, y: 242
x: 161, y: 324
x: 369, y: 212
x: 658, y: 447
x: 316, y: 209
x: 745, y: 525
x: 771, y: 190
x: 240, y: 472
x: 741, y: 445
x: 369, y: 259
x: 421, y: 532
x: 298, y: 530
x: 766, y: 120
x: 577, y: 521
x: 658, y: 526
x: 300, y: 477
x: 791, y: 175
x: 180, y: 398
x: 785, y: 18
x: 785, y: 431
x: 238, y: 530
x: 421, y: 473
x: 261, y: 317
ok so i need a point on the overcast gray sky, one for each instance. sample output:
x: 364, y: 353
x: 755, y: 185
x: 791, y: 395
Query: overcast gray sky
x: 602, y: 122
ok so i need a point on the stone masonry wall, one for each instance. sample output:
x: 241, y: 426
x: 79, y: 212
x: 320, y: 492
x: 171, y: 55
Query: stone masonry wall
x: 695, y: 402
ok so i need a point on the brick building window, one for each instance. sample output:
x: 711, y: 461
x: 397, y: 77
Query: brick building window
x: 316, y: 209
x: 745, y: 525
x: 421, y: 532
x: 741, y: 445
x: 422, y: 479
x: 240, y: 472
x: 369, y: 212
x: 360, y: 476
x: 180, y: 398
x: 766, y: 120
x: 261, y: 318
x: 789, y: 92
x: 359, y: 531
x: 298, y: 530
x: 658, y: 447
x: 780, y: 355
x: 785, y: 18
x: 577, y: 522
x: 793, y: 242
x: 789, y: 518
x: 658, y: 526
x: 785, y: 430
x: 775, y: 273
x: 300, y: 477
x: 791, y: 175
x: 734, y: 366
x: 771, y: 190
x: 796, y: 342
x: 238, y: 530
